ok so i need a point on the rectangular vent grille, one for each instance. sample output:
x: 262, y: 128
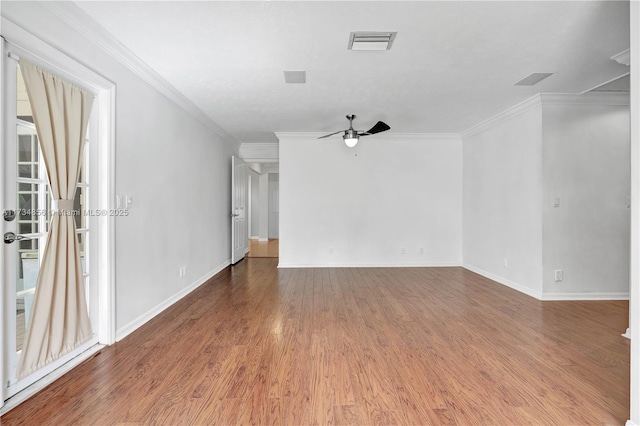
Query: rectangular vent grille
x: 533, y: 79
x: 295, y: 76
x: 370, y: 40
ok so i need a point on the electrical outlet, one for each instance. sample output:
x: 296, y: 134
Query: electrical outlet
x: 183, y: 271
x: 330, y: 250
x: 421, y: 250
x: 403, y: 250
x: 559, y: 275
x: 505, y: 262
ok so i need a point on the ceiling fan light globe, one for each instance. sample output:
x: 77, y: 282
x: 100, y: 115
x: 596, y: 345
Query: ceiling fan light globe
x: 350, y: 141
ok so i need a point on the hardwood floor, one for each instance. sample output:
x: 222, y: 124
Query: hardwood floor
x: 258, y: 345
x: 263, y: 248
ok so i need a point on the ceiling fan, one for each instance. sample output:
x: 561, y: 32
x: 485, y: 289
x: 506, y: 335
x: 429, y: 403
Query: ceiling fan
x: 351, y: 136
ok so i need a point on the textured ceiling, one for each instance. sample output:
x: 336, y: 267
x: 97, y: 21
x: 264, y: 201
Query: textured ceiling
x: 452, y: 65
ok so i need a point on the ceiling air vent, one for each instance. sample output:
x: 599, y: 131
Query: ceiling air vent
x: 370, y: 40
x: 533, y: 79
x: 295, y: 76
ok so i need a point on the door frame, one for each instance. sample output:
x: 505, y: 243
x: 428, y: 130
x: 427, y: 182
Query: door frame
x: 24, y: 44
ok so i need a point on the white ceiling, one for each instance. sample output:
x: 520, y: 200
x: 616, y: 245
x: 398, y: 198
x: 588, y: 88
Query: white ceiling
x: 453, y: 64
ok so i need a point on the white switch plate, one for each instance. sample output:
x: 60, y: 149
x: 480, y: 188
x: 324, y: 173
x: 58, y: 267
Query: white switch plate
x: 556, y: 201
x: 559, y: 275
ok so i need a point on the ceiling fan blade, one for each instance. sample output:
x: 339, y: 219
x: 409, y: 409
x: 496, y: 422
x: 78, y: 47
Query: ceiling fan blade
x: 331, y: 134
x: 377, y: 128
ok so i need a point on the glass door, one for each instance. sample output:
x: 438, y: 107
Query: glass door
x: 26, y: 205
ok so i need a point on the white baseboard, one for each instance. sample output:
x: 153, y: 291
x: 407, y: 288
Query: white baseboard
x: 263, y: 240
x: 630, y: 423
x: 147, y: 316
x: 549, y: 296
x: 585, y: 296
x: 368, y: 265
x: 504, y: 281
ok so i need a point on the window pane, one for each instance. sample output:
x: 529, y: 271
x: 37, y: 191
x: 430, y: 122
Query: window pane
x: 28, y: 149
x: 29, y: 211
x: 24, y: 148
x: 26, y: 202
x: 29, y: 244
x: 27, y: 271
x: 26, y: 171
x: 25, y: 228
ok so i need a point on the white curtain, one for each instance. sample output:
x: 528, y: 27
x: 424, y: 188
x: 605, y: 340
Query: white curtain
x: 59, y: 319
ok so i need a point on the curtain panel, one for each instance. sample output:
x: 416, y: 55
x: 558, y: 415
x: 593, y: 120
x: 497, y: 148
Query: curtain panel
x: 59, y: 319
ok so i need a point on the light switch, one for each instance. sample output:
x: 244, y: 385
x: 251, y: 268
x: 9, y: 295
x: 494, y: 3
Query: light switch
x: 556, y: 201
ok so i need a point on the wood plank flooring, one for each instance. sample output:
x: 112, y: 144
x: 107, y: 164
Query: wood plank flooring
x: 258, y: 345
x: 263, y: 248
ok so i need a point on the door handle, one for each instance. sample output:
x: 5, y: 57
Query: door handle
x: 235, y: 214
x: 10, y: 237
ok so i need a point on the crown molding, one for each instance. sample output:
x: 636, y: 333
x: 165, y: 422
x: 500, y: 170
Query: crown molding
x: 605, y: 83
x: 260, y: 152
x: 92, y: 31
x: 33, y: 48
x: 591, y: 98
x: 409, y: 136
x: 623, y: 57
x: 503, y: 116
x: 425, y: 136
x: 299, y: 135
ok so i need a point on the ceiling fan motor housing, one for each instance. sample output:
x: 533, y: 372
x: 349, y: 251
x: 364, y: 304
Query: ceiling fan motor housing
x: 350, y: 134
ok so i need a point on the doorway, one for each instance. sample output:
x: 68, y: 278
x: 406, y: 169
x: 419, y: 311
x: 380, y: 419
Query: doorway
x: 26, y: 205
x: 268, y: 248
x: 264, y: 210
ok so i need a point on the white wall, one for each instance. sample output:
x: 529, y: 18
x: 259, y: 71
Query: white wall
x: 176, y: 169
x: 586, y: 165
x: 502, y: 217
x: 263, y: 194
x: 254, y: 193
x: 571, y: 147
x: 274, y: 205
x: 360, y: 207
